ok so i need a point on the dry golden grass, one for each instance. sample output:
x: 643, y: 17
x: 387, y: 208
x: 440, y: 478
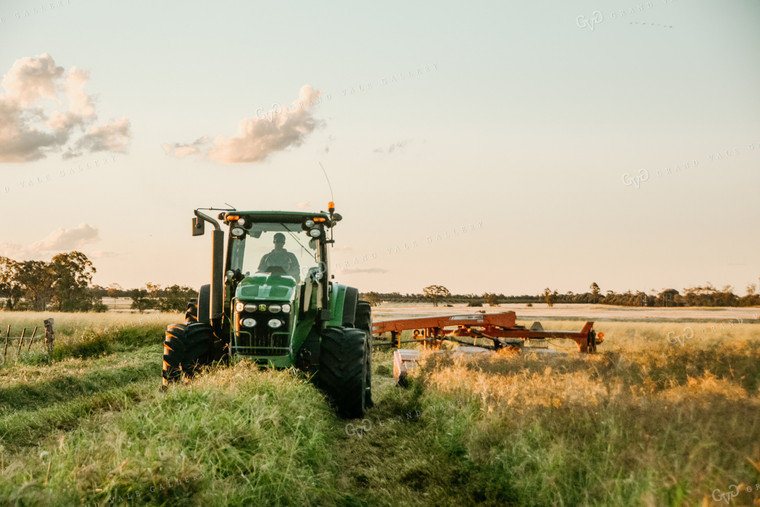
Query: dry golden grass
x: 70, y: 326
x: 645, y: 421
x: 664, y: 414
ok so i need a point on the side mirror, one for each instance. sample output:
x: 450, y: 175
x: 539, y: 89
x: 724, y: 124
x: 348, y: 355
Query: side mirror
x: 337, y: 217
x: 199, y: 226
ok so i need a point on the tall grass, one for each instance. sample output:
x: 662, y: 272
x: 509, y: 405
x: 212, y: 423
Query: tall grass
x: 646, y: 421
x: 661, y: 425
x: 236, y: 436
x: 70, y: 326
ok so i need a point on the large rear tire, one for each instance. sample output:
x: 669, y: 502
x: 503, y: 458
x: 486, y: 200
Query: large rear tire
x: 191, y: 313
x: 174, y: 351
x: 343, y: 369
x: 199, y: 341
x: 364, y: 322
x: 187, y: 347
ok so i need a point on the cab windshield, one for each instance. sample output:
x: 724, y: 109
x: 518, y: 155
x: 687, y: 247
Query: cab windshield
x: 281, y: 248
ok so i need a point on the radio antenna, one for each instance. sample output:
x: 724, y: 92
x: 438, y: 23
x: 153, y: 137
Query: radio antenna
x: 332, y: 198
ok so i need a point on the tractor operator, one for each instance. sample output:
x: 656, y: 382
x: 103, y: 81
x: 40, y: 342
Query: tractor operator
x: 281, y: 258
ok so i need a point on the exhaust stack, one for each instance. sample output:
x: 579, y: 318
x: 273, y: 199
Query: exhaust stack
x: 217, y: 261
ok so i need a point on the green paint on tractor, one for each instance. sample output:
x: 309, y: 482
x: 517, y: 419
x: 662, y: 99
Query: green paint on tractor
x: 272, y: 300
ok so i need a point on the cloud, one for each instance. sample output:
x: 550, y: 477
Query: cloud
x: 46, y: 110
x: 32, y: 78
x: 393, y: 147
x: 112, y: 137
x: 180, y: 150
x: 354, y: 271
x: 259, y: 137
x: 102, y: 254
x: 21, y: 142
x: 68, y: 239
x: 57, y: 241
x: 81, y: 109
x: 13, y: 251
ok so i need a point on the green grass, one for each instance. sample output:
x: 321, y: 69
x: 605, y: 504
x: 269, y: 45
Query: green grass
x: 644, y: 422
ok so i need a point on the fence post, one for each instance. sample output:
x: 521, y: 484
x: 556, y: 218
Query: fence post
x: 21, y: 342
x: 49, y: 334
x: 7, y: 334
x: 34, y: 333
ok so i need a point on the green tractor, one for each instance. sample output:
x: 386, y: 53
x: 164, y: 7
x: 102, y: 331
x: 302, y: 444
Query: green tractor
x: 272, y: 301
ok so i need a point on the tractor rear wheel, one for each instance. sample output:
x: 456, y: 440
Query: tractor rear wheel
x: 364, y: 322
x: 174, y: 351
x: 199, y: 340
x: 343, y: 369
x: 187, y: 347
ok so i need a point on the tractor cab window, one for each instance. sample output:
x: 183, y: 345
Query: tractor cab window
x: 280, y: 248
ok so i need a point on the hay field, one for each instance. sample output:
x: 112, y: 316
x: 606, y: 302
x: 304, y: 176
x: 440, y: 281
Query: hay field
x: 665, y: 414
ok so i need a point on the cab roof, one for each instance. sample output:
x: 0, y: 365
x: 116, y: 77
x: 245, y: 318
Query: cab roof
x: 277, y: 216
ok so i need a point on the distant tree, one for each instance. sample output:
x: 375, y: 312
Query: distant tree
x: 642, y: 299
x: 10, y: 288
x: 97, y: 292
x: 596, y: 293
x: 73, y: 274
x: 115, y: 290
x: 668, y: 297
x: 37, y: 281
x: 436, y: 292
x: 373, y: 298
x: 752, y: 298
x: 491, y: 299
x: 153, y: 289
x: 549, y: 296
x: 175, y: 298
x: 710, y: 296
x: 140, y: 300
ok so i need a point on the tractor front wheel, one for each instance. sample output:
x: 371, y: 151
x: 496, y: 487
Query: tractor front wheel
x: 343, y: 369
x: 364, y: 322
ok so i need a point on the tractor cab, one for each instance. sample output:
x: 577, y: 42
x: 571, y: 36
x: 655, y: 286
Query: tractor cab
x: 276, y: 275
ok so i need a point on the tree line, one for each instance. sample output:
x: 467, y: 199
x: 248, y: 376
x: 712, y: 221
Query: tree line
x: 702, y: 295
x: 169, y: 299
x: 63, y: 285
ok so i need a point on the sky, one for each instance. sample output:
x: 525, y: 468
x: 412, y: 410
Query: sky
x: 488, y: 147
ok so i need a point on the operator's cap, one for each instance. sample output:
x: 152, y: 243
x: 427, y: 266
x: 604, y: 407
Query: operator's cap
x: 279, y: 237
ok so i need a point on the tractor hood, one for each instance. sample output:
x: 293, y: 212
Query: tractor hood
x: 266, y: 286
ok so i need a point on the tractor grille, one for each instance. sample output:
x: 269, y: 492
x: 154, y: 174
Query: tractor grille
x: 262, y: 339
